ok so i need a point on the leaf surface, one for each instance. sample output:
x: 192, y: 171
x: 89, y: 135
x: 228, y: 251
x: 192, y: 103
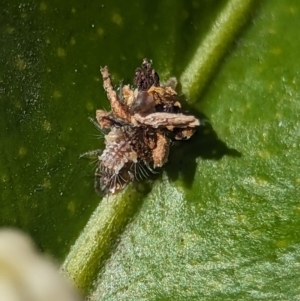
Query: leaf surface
x: 222, y: 220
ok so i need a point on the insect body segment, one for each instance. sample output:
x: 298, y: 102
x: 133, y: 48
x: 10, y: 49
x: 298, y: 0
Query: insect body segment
x: 139, y: 129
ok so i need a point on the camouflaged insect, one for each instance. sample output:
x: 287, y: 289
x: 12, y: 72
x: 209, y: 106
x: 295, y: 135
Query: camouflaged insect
x: 139, y: 128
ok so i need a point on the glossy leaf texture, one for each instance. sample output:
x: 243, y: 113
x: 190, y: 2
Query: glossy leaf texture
x: 221, y: 222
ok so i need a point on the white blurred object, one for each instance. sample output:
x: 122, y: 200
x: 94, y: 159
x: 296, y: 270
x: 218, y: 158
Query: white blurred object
x: 26, y: 275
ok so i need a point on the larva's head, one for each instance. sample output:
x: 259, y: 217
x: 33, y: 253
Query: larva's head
x: 103, y: 119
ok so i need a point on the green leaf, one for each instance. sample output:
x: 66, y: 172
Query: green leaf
x: 222, y: 220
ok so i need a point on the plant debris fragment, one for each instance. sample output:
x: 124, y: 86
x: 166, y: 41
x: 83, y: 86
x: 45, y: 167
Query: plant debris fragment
x: 139, y: 128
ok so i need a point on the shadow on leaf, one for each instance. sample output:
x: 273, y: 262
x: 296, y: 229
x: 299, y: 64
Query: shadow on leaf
x: 204, y: 144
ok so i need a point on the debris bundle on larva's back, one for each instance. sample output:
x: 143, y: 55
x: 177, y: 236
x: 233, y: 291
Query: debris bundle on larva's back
x: 139, y: 129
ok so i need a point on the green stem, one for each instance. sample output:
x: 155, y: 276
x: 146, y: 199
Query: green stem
x: 209, y: 53
x: 95, y: 242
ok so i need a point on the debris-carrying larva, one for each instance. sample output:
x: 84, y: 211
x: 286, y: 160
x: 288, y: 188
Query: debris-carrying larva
x: 139, y: 128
